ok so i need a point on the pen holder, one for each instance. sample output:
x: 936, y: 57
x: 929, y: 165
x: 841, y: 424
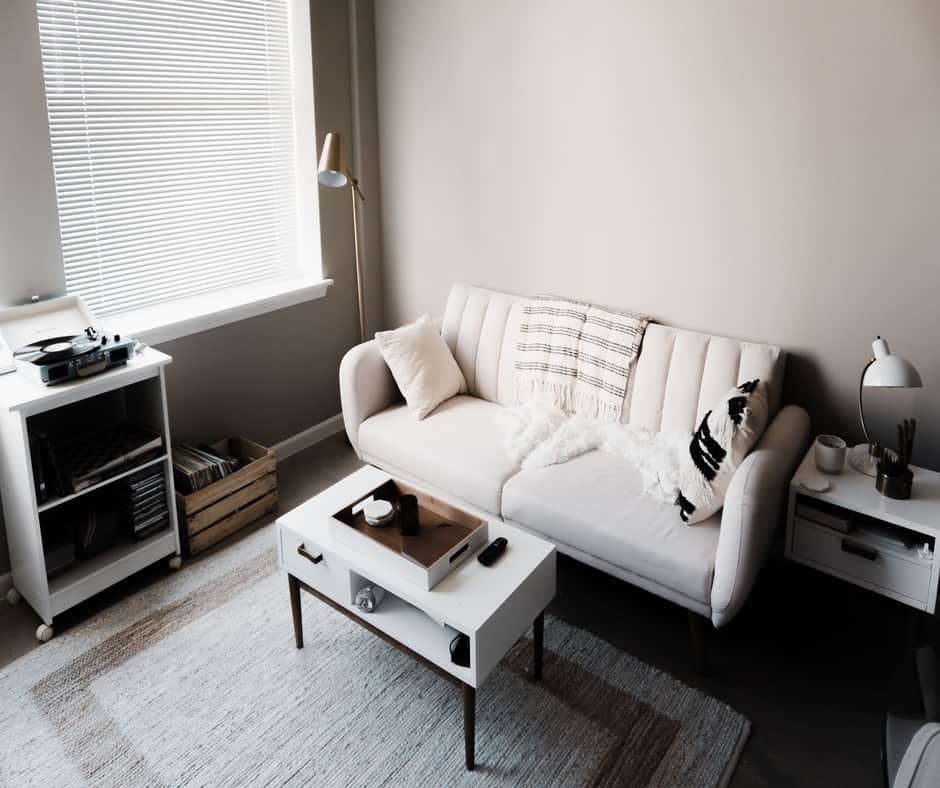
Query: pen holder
x: 898, y: 487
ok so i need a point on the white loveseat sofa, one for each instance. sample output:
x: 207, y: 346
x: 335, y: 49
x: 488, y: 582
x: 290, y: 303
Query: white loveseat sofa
x: 593, y: 507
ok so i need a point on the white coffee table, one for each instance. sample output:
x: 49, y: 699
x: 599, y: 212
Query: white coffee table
x: 494, y: 606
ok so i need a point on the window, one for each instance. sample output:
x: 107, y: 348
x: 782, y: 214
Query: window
x: 183, y: 146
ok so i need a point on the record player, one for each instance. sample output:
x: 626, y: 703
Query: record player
x: 54, y: 341
x: 58, y: 359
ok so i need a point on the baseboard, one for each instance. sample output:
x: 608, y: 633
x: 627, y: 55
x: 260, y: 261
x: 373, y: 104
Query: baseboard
x: 6, y: 583
x: 308, y: 437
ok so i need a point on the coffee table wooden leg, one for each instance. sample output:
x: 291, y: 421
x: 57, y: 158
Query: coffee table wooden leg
x: 294, y: 587
x: 538, y: 635
x: 469, y: 724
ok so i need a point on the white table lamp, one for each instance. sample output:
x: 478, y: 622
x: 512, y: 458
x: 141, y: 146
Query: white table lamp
x: 884, y: 370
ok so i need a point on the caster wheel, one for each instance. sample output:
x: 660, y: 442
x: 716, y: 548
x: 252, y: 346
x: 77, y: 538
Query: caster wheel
x: 44, y: 633
x: 175, y: 562
x: 13, y: 597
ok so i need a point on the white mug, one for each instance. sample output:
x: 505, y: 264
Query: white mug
x: 829, y: 452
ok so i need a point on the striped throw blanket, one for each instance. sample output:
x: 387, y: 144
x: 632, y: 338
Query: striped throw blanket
x: 576, y: 356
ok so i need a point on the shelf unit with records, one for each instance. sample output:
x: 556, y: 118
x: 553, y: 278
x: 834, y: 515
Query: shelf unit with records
x: 51, y: 503
x: 86, y: 482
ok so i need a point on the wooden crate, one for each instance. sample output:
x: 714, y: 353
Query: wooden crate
x: 209, y: 515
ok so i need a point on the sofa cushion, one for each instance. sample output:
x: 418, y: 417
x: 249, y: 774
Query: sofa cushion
x: 681, y: 374
x: 678, y: 375
x: 422, y: 365
x: 458, y: 448
x: 596, y: 503
x: 480, y: 327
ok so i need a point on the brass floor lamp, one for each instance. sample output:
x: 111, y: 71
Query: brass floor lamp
x: 333, y: 172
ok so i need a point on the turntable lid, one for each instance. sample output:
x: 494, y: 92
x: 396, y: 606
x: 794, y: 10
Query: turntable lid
x: 54, y: 317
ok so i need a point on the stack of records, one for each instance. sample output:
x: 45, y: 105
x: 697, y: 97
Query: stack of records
x: 195, y: 468
x: 84, y: 459
x: 143, y: 500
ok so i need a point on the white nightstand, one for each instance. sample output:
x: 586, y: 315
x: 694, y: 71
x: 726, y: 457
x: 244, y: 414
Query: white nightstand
x: 885, y: 550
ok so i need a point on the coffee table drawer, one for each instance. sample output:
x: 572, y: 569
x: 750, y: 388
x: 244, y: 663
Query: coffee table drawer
x: 319, y: 569
x: 861, y: 560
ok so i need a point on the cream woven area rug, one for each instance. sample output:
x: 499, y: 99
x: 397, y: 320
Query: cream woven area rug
x: 196, y: 681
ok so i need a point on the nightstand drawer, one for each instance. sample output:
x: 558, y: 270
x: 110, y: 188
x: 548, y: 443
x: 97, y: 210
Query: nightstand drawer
x: 861, y: 560
x: 309, y: 563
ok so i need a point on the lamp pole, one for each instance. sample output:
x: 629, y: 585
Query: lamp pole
x: 356, y: 193
x: 332, y: 172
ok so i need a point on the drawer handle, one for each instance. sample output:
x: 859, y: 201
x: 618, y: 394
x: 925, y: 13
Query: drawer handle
x: 314, y: 559
x: 856, y: 549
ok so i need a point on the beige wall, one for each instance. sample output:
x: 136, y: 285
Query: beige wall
x: 266, y: 378
x: 766, y: 170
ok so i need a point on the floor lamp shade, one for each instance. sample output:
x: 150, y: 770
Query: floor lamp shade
x: 332, y: 168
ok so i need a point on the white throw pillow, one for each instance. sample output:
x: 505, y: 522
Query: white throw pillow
x: 422, y: 365
x: 718, y: 447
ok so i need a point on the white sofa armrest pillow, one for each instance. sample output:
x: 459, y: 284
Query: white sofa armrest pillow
x: 422, y: 365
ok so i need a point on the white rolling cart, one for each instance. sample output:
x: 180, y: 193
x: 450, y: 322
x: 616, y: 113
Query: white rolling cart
x: 135, y: 391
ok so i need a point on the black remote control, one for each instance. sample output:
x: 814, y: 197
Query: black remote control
x: 495, y: 550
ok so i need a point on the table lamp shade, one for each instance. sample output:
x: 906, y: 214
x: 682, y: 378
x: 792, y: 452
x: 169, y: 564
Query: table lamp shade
x: 890, y: 371
x: 332, y: 168
x: 884, y: 370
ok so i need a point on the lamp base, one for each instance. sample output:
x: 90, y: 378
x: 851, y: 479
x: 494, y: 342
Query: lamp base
x: 861, y: 458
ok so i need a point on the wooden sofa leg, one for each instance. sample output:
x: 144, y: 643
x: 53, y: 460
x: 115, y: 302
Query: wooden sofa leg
x: 698, y: 632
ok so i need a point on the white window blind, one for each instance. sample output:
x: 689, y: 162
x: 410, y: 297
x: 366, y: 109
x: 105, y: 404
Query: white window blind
x: 172, y: 135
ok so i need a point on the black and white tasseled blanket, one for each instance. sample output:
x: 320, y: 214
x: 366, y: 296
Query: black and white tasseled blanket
x: 576, y: 356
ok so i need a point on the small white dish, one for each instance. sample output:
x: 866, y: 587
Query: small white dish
x: 378, y: 512
x: 816, y: 484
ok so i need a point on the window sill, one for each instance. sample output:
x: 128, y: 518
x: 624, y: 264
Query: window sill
x: 164, y: 322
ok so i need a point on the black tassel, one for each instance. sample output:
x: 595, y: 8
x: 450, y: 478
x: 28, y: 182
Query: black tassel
x: 686, y: 508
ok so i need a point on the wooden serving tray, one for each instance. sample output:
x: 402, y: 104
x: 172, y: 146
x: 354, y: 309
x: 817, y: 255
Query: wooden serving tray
x: 446, y: 534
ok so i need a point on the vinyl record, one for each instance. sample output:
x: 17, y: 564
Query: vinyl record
x: 55, y: 349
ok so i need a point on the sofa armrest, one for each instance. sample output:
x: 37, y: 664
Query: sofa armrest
x: 921, y: 763
x: 365, y: 387
x: 755, y: 500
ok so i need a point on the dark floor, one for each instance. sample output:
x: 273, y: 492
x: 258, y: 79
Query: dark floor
x: 812, y: 661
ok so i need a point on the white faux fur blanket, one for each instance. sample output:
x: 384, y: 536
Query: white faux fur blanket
x: 539, y: 434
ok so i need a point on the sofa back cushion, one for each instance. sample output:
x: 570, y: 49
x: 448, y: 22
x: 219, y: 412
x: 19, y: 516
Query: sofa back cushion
x: 480, y: 328
x: 678, y: 376
x: 682, y: 374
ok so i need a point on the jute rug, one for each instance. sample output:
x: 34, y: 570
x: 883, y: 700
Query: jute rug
x: 196, y: 681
